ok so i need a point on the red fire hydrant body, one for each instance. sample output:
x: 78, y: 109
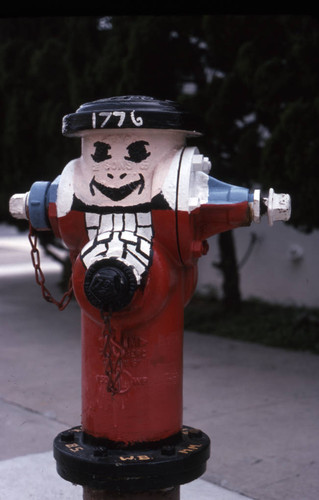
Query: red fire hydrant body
x: 135, y: 212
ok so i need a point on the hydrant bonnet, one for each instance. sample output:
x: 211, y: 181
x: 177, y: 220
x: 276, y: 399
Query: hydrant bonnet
x: 129, y: 112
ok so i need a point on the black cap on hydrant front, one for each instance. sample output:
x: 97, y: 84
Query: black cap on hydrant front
x: 109, y: 285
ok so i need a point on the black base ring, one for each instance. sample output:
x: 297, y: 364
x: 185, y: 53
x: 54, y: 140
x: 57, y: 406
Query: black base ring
x: 85, y: 462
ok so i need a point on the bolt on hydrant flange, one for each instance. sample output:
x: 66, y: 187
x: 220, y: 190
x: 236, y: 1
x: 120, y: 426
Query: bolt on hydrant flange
x: 135, y: 211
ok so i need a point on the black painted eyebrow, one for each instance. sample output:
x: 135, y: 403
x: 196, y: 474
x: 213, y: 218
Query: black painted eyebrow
x: 137, y: 151
x: 101, y: 152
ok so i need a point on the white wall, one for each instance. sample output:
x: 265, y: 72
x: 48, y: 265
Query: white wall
x: 273, y: 272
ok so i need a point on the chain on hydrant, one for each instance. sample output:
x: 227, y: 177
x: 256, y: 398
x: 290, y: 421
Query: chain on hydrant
x: 40, y: 278
x: 135, y: 211
x: 113, y: 354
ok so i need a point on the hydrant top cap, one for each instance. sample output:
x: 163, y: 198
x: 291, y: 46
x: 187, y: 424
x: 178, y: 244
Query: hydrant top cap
x: 129, y: 112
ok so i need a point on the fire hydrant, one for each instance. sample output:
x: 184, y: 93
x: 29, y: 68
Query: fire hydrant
x: 135, y: 211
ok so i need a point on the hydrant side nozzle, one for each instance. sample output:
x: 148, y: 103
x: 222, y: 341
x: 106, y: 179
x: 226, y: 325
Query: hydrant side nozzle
x: 277, y: 206
x: 18, y: 205
x: 33, y: 205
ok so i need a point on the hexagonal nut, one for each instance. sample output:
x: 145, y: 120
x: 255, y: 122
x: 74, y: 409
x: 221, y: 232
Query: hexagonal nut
x: 202, y: 163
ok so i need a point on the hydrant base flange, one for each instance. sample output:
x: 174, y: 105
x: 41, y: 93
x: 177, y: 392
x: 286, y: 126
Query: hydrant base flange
x: 131, y: 469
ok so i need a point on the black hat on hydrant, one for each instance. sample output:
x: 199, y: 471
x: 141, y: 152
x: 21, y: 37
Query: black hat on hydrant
x: 129, y: 112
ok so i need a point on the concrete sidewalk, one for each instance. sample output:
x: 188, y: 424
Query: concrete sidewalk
x: 35, y: 477
x: 259, y: 405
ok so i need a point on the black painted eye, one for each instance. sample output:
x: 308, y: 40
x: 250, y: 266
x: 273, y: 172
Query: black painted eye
x: 137, y: 151
x: 101, y: 152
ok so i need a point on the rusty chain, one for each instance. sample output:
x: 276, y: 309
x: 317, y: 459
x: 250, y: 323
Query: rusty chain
x: 40, y: 278
x: 113, y: 353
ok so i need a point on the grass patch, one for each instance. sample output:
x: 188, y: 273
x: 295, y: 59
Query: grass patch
x: 257, y: 321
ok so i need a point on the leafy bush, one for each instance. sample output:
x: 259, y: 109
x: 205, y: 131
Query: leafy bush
x: 269, y: 324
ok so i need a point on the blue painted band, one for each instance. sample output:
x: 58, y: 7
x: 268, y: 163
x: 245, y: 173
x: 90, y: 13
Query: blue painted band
x: 38, y: 204
x: 221, y: 193
x: 53, y: 190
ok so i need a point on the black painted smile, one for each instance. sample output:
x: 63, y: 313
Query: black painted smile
x: 118, y: 194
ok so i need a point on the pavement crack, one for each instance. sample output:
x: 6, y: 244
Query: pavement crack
x: 48, y: 415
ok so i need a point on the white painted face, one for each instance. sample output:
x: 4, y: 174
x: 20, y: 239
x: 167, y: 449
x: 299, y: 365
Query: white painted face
x: 124, y: 168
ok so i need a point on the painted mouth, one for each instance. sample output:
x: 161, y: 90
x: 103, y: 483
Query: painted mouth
x: 118, y: 194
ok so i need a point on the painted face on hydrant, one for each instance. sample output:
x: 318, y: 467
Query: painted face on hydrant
x: 124, y: 168
x: 126, y: 174
x: 116, y: 181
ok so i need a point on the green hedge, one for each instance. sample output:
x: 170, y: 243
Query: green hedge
x: 257, y: 321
